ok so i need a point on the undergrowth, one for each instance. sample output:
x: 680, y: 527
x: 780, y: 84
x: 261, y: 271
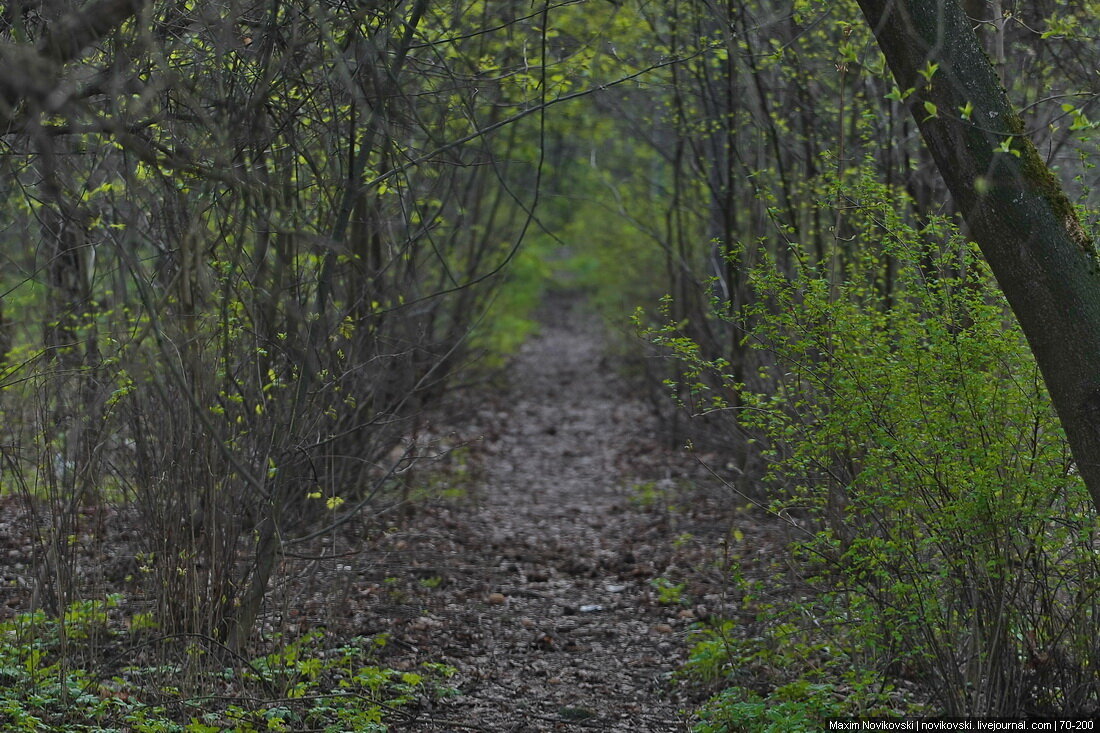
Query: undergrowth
x: 939, y: 532
x: 313, y: 682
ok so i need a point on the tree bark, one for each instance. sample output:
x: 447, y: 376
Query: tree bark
x: 1015, y: 208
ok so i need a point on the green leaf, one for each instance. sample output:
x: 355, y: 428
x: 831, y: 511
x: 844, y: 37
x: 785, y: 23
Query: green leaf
x: 929, y: 71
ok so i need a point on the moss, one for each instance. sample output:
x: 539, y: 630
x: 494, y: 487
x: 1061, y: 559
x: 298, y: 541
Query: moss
x: 1041, y: 179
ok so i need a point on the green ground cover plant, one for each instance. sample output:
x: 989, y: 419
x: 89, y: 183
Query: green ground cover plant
x: 312, y: 682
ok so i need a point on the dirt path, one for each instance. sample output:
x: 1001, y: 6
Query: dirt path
x: 541, y: 593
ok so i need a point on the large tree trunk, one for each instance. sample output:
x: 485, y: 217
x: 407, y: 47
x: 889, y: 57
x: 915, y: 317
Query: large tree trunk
x: 1015, y: 208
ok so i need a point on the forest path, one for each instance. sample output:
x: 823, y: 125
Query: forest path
x: 545, y: 601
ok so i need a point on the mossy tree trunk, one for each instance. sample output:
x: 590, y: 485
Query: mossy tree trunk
x: 1015, y: 208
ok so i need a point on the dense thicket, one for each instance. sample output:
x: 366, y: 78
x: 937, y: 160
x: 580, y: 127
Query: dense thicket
x: 244, y: 249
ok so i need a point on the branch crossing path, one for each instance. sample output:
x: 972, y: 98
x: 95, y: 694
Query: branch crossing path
x: 539, y: 586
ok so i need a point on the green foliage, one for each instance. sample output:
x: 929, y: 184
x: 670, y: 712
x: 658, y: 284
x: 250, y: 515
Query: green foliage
x: 788, y: 675
x: 509, y: 318
x: 251, y: 308
x: 647, y: 495
x: 300, y: 223
x: 913, y: 448
x: 792, y: 709
x: 796, y: 707
x: 668, y: 593
x: 304, y: 684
